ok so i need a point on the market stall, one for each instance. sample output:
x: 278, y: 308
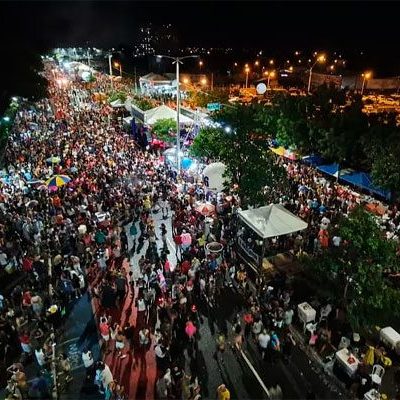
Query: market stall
x: 259, y: 224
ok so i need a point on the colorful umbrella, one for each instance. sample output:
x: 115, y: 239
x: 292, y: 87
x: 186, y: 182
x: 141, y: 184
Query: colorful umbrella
x: 280, y: 151
x: 57, y: 181
x: 206, y: 209
x: 53, y: 160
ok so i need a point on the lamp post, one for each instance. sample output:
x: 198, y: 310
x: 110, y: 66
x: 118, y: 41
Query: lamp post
x: 118, y: 65
x: 269, y: 74
x: 177, y: 61
x: 366, y: 76
x: 247, y: 70
x: 110, y: 67
x: 320, y: 59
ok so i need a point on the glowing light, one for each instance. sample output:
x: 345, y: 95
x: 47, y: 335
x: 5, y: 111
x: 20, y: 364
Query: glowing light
x: 203, y: 81
x: 185, y: 80
x: 367, y: 75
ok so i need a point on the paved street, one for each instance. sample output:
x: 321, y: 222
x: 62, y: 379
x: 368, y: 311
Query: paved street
x: 296, y: 378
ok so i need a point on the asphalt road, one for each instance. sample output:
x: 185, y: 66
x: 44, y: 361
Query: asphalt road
x: 296, y: 378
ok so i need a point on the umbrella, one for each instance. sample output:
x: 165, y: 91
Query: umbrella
x: 280, y: 151
x: 53, y: 160
x: 57, y: 181
x: 206, y: 209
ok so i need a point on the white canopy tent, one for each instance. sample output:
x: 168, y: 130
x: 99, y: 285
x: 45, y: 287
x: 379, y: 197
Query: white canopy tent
x: 117, y: 103
x: 272, y: 220
x: 164, y: 112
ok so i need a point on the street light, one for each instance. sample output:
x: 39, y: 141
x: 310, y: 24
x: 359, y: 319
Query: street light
x: 247, y: 70
x: 366, y: 76
x: 320, y: 59
x: 110, y: 68
x: 177, y: 61
x: 203, y: 81
x: 118, y: 65
x: 269, y: 75
x: 271, y: 62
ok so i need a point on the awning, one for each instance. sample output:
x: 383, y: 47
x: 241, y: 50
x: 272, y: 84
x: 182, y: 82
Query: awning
x: 330, y: 169
x: 164, y: 112
x: 272, y: 220
x: 313, y: 160
x: 364, y: 181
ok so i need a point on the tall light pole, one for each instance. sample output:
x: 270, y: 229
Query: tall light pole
x: 110, y: 67
x: 177, y: 61
x: 366, y: 76
x: 320, y: 59
x: 118, y: 65
x: 88, y: 57
x: 269, y: 74
x: 247, y: 70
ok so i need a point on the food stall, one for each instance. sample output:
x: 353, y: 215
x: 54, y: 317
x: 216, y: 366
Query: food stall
x: 259, y: 224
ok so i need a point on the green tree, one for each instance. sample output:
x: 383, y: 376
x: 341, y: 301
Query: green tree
x: 143, y: 103
x: 165, y: 129
x: 199, y: 98
x: 356, y: 271
x: 117, y: 96
x: 240, y: 142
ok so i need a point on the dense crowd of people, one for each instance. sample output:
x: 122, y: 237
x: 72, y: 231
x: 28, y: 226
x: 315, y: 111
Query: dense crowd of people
x: 99, y: 232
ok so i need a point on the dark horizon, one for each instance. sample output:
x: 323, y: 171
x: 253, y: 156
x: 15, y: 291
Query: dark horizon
x: 278, y: 28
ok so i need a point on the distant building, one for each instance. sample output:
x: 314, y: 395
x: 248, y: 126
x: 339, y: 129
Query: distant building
x: 151, y: 39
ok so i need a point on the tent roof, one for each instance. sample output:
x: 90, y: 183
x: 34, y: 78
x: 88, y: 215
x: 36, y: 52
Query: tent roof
x: 155, y: 77
x: 163, y: 112
x: 313, y: 160
x: 272, y: 220
x: 364, y: 181
x: 330, y: 169
x: 117, y: 103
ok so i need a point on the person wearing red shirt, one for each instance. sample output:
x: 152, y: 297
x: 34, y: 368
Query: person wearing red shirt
x: 185, y: 266
x: 178, y: 243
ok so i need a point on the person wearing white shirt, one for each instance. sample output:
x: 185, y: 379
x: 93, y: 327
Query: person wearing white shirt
x: 263, y: 342
x: 40, y: 358
x: 87, y: 359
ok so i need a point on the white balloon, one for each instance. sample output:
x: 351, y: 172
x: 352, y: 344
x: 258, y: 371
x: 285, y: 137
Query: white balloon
x: 214, y: 173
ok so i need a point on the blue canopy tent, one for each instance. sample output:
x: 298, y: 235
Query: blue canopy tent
x: 330, y: 169
x: 364, y: 181
x: 313, y: 160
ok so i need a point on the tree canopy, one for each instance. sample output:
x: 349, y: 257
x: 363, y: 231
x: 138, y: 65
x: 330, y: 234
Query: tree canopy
x: 165, y: 129
x: 240, y: 142
x: 356, y: 271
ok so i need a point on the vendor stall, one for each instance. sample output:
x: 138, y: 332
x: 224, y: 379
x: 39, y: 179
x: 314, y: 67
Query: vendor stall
x: 257, y: 225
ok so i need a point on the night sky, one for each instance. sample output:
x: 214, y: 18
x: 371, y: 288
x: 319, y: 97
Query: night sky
x: 277, y: 27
